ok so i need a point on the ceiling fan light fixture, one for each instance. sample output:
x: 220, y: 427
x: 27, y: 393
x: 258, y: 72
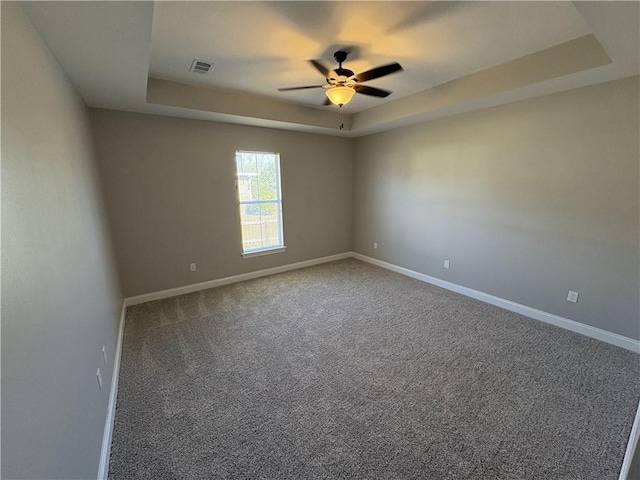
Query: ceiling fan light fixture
x: 340, y: 95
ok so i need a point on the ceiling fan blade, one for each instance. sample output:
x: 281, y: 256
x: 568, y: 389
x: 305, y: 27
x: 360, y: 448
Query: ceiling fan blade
x: 299, y: 88
x: 378, y: 72
x: 321, y: 68
x: 374, y: 92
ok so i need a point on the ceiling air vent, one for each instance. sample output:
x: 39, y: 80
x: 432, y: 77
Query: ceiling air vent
x: 200, y: 66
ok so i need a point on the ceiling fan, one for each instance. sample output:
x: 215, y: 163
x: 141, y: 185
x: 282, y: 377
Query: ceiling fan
x: 342, y: 83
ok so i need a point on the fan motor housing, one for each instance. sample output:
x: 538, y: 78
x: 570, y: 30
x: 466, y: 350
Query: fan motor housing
x: 344, y: 72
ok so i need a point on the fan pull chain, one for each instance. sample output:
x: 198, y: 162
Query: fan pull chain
x: 341, y: 118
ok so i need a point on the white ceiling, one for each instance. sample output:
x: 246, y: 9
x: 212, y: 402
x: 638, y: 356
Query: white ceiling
x: 109, y: 49
x: 259, y: 46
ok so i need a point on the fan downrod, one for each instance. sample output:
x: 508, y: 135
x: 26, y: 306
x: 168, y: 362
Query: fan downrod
x: 340, y: 57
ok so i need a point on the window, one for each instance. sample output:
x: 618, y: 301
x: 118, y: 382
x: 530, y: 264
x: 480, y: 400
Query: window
x: 260, y: 201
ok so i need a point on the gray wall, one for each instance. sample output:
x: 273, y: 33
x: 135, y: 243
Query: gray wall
x: 170, y: 189
x: 60, y: 297
x: 526, y: 200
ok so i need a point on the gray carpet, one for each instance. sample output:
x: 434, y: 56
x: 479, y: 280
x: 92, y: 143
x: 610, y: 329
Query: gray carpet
x: 346, y: 370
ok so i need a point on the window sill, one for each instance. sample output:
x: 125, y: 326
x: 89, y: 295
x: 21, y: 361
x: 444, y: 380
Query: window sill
x: 259, y: 253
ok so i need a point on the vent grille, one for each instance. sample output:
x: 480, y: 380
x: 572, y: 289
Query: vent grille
x: 200, y: 66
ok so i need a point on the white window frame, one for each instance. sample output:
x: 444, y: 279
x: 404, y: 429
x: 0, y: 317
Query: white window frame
x: 260, y: 251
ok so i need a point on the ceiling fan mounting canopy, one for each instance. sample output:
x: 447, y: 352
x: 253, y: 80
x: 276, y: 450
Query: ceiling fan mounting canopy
x: 343, y: 77
x: 340, y: 56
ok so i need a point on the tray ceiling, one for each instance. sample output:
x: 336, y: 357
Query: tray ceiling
x: 457, y: 56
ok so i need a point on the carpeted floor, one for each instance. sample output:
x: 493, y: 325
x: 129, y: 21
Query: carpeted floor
x: 346, y: 370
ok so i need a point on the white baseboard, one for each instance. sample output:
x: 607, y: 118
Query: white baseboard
x: 589, y: 331
x: 105, y: 454
x: 634, y: 438
x: 103, y: 469
x: 598, y: 334
x: 196, y: 287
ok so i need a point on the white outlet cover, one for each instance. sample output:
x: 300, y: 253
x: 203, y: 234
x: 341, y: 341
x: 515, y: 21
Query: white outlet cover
x: 572, y: 296
x: 375, y: 245
x: 192, y: 267
x: 446, y: 264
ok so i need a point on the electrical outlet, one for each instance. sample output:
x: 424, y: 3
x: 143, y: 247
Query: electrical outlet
x: 192, y: 267
x: 572, y: 297
x: 104, y: 354
x: 375, y: 245
x: 446, y: 264
x: 99, y: 376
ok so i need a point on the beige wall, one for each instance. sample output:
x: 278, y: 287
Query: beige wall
x: 170, y: 188
x: 527, y: 201
x: 60, y: 298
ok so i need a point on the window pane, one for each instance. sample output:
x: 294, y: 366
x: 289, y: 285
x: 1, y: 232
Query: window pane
x: 259, y: 228
x: 260, y: 200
